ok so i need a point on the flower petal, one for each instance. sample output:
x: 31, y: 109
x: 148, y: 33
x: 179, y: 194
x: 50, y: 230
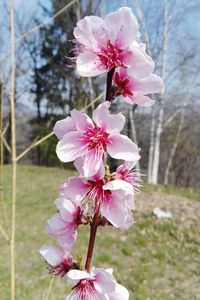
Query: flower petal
x: 52, y: 255
x: 76, y: 275
x: 120, y: 293
x: 92, y: 161
x: 74, y: 187
x: 106, y: 121
x: 104, y: 281
x: 123, y: 27
x: 117, y: 212
x: 67, y: 209
x: 147, y: 85
x: 142, y: 100
x: 118, y: 185
x: 56, y: 225
x: 140, y: 63
x: 88, y: 64
x: 71, y: 146
x: 121, y: 147
x: 90, y: 32
x: 63, y: 126
x: 81, y: 120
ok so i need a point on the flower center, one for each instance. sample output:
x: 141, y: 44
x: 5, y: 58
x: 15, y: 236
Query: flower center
x: 122, y: 86
x: 95, y: 137
x: 111, y: 56
x: 84, y: 289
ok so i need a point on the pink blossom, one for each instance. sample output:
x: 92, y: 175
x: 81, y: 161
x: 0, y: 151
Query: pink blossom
x: 127, y: 173
x: 133, y: 90
x: 89, y: 286
x: 63, y: 224
x: 114, y: 198
x: 110, y: 42
x: 81, y: 137
x: 60, y: 261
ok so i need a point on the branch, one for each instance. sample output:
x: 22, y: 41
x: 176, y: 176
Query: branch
x: 34, y: 144
x: 171, y: 118
x: 6, y: 144
x: 61, y: 11
x: 4, y: 233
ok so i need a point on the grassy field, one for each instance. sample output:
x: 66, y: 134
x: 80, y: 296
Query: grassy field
x: 155, y: 259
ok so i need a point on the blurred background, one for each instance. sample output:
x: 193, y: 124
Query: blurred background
x: 162, y: 255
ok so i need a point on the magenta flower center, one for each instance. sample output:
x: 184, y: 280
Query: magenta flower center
x: 122, y: 86
x: 111, y: 56
x: 96, y: 137
x: 83, y: 290
x: 96, y: 192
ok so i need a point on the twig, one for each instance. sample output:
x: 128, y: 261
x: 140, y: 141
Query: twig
x: 4, y: 233
x: 93, y: 102
x: 13, y: 147
x: 168, y: 121
x: 49, y: 289
x: 6, y: 144
x: 62, y: 10
x: 34, y: 144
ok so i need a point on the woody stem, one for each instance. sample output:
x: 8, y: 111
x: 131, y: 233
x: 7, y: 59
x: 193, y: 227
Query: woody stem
x: 109, y: 84
x: 93, y: 230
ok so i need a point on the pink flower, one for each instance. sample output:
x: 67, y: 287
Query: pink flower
x: 81, y: 137
x: 90, y: 286
x: 60, y: 261
x: 63, y: 224
x: 127, y: 173
x: 99, y: 284
x: 132, y: 89
x: 114, y: 198
x: 110, y: 42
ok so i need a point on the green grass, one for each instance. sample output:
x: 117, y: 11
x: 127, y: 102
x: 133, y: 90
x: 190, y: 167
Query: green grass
x: 155, y: 259
x: 189, y: 193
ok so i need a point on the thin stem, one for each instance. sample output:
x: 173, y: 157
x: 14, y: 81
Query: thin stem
x: 93, y: 230
x: 13, y: 147
x: 110, y: 74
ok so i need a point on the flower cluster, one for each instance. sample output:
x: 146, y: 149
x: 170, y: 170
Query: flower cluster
x: 98, y: 197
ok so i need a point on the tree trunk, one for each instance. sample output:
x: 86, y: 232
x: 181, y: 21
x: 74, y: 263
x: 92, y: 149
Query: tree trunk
x: 151, y: 149
x: 133, y: 131
x: 156, y: 156
x: 175, y: 144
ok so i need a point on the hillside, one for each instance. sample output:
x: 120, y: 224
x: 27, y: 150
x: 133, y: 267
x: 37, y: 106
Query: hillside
x: 155, y: 259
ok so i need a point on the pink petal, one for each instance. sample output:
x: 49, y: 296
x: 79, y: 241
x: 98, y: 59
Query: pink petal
x: 120, y: 293
x: 141, y: 64
x: 79, y: 164
x: 117, y: 212
x: 147, y: 85
x: 88, y: 64
x: 106, y: 121
x: 90, y: 32
x: 119, y: 185
x: 123, y: 27
x: 92, y: 161
x: 104, y: 281
x: 142, y: 100
x: 68, y: 239
x: 121, y: 147
x: 57, y: 226
x: 63, y: 126
x: 73, y: 187
x: 81, y: 120
x: 71, y: 146
x: 76, y: 275
x: 66, y: 208
x: 52, y: 255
